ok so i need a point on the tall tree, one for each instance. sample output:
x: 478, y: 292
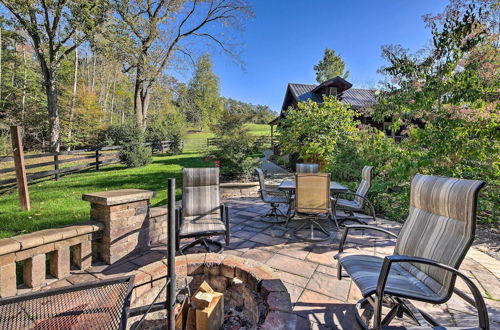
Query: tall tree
x: 330, y: 66
x: 151, y: 33
x: 55, y: 28
x: 203, y: 92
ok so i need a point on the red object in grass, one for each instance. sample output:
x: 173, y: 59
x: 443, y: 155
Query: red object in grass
x: 217, y: 163
x: 210, y: 157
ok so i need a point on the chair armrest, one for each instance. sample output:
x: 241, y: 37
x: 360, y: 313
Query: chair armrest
x: 350, y: 194
x: 224, y: 211
x: 178, y: 216
x: 366, y: 227
x: 478, y: 301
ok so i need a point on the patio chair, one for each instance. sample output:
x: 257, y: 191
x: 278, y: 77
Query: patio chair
x: 201, y: 215
x: 358, y: 200
x: 307, y: 168
x: 312, y: 197
x: 274, y: 198
x: 433, y: 242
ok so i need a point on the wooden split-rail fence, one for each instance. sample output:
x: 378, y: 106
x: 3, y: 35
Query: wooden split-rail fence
x: 55, y: 164
x: 259, y: 141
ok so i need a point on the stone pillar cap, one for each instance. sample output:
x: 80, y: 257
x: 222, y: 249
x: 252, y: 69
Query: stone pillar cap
x: 121, y: 196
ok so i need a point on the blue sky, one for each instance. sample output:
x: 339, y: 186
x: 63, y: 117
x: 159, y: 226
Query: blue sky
x: 287, y: 38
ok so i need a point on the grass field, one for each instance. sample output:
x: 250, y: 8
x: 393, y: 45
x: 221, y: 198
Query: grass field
x: 57, y: 203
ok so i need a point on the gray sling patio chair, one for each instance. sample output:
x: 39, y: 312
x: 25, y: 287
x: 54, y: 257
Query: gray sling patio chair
x: 312, y: 197
x: 274, y: 198
x: 357, y: 202
x: 201, y: 215
x: 307, y: 168
x: 432, y: 243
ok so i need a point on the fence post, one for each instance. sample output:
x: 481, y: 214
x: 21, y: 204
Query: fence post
x: 22, y: 182
x: 56, y: 166
x: 97, y: 160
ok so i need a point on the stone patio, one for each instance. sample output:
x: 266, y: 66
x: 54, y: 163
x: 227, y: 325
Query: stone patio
x: 308, y: 270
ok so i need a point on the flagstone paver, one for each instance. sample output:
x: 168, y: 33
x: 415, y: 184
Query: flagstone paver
x: 329, y: 285
x: 292, y: 265
x: 308, y: 270
x: 259, y: 255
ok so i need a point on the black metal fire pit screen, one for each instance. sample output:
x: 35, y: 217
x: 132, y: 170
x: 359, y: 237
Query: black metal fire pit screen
x: 99, y: 305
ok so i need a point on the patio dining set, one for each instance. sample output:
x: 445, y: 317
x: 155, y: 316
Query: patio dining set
x: 313, y: 193
x: 429, y: 249
x: 424, y: 266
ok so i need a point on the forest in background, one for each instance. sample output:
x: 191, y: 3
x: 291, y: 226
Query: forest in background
x: 107, y: 73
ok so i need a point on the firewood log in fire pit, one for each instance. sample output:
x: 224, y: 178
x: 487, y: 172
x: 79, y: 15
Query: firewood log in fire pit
x: 206, y: 311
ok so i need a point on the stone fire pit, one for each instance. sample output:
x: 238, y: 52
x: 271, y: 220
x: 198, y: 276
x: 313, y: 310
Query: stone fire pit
x: 254, y: 296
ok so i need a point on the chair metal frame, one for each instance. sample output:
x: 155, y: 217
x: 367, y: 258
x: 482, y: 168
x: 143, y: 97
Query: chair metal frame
x: 399, y: 303
x: 307, y: 168
x: 350, y: 211
x: 203, y: 238
x: 274, y: 212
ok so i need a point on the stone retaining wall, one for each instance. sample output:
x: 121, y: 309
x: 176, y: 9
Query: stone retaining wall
x: 32, y: 250
x: 239, y: 189
x: 158, y: 225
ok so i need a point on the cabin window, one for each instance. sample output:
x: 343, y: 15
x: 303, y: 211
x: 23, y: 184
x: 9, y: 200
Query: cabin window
x: 332, y: 91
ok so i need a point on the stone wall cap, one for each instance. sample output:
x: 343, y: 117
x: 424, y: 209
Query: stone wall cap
x: 45, y: 236
x: 158, y: 211
x: 121, y: 196
x: 8, y: 245
x: 239, y: 184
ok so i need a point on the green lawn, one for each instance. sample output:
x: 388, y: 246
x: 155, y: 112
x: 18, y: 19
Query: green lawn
x: 57, y: 203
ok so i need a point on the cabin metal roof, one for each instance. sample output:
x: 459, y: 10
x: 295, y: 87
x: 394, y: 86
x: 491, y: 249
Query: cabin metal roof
x: 356, y: 97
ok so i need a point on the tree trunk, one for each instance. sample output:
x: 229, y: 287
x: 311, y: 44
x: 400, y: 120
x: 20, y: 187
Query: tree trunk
x: 25, y: 79
x: 141, y: 94
x: 54, y: 123
x: 73, y: 97
x: 112, y: 100
x: 93, y: 71
x: 1, y: 65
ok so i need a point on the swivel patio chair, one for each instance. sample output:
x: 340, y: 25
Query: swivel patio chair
x: 201, y: 215
x: 357, y: 202
x: 433, y: 242
x: 312, y: 198
x: 307, y: 168
x: 274, y: 198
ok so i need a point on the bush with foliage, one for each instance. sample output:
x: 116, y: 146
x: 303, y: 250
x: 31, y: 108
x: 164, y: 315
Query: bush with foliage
x: 314, y: 130
x: 236, y: 149
x: 171, y: 128
x: 131, y: 137
x: 452, y: 90
x: 237, y: 156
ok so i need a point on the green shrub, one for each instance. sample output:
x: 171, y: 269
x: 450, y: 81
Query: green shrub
x: 237, y: 151
x: 135, y: 154
x: 314, y: 130
x: 236, y: 154
x: 131, y: 137
x: 172, y: 128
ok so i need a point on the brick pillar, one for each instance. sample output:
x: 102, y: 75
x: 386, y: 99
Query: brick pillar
x: 125, y: 214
